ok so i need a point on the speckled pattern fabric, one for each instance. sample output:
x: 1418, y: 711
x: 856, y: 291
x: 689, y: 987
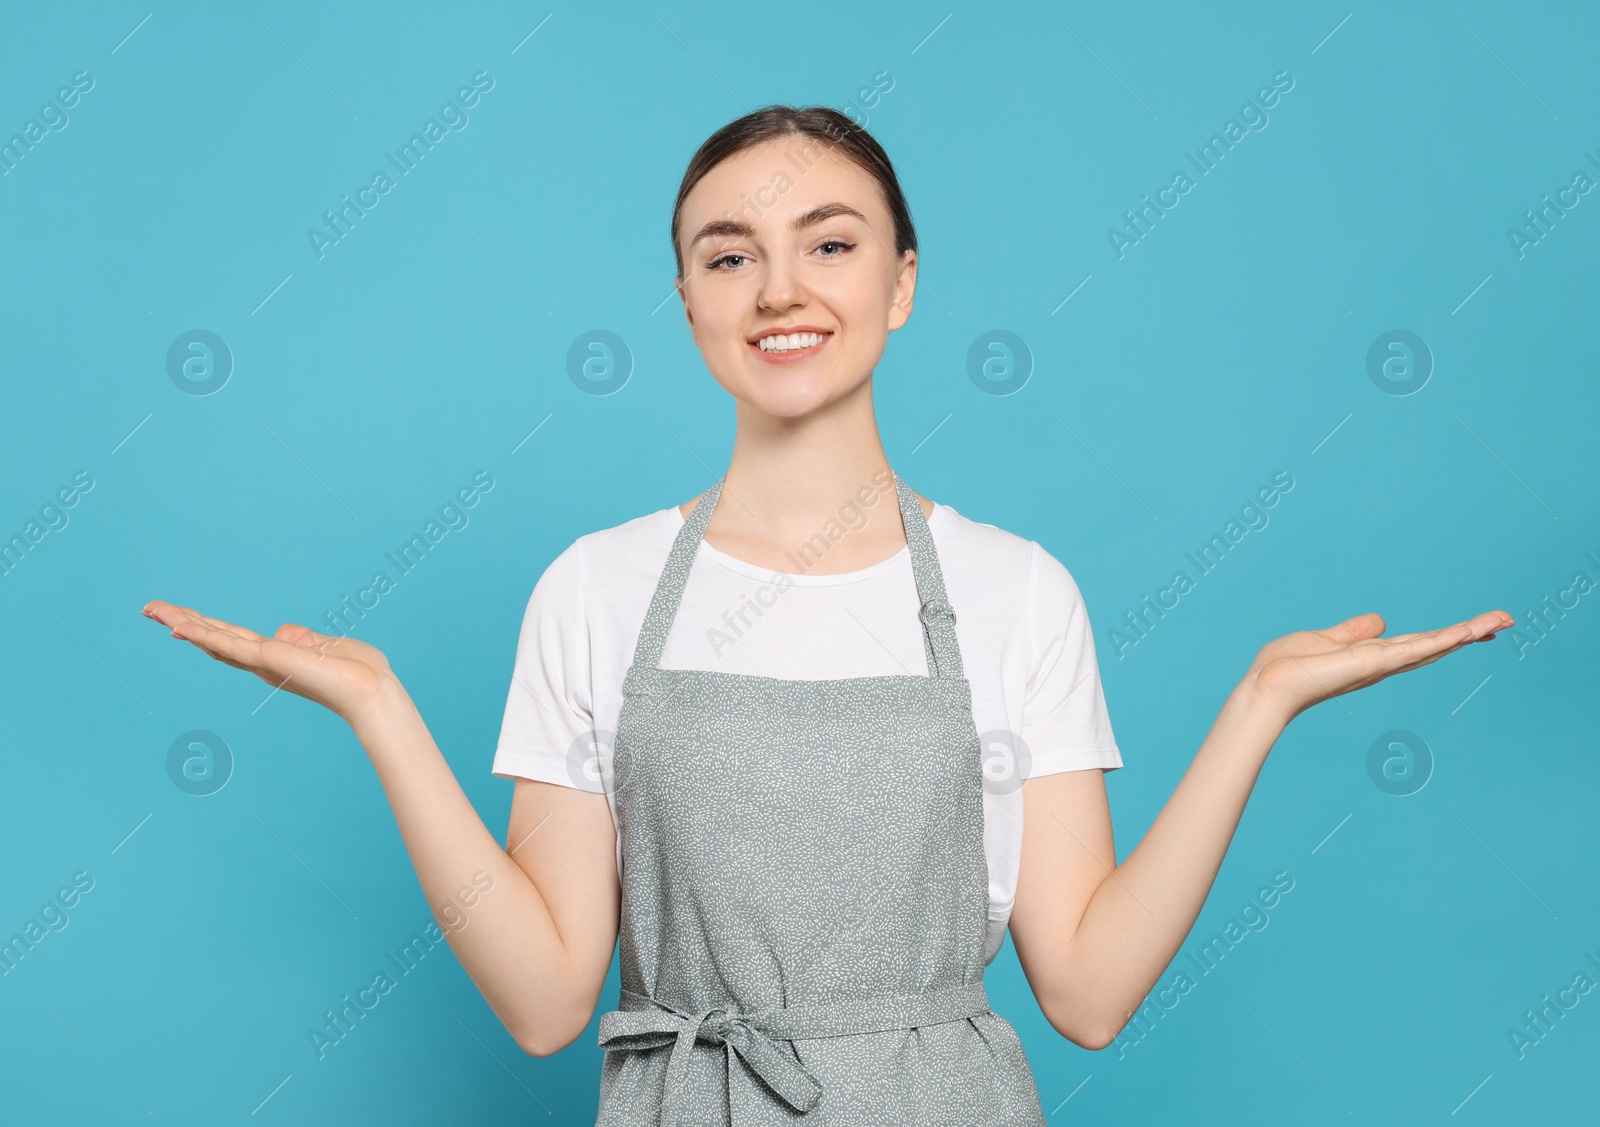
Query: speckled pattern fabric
x: 804, y: 890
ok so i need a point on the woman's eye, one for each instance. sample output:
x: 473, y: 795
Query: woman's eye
x: 837, y: 243
x: 718, y: 261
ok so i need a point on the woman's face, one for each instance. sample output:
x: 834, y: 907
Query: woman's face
x: 785, y: 237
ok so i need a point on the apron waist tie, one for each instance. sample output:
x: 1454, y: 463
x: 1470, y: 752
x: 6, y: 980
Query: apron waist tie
x: 644, y: 1023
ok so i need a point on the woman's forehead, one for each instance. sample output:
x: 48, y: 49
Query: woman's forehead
x: 768, y: 183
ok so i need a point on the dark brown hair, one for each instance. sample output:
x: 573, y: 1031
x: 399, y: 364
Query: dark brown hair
x: 828, y: 126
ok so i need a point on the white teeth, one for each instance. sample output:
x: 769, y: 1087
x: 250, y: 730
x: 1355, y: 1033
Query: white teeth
x: 780, y: 342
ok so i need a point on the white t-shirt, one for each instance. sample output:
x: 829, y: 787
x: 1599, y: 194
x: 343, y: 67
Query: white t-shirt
x: 1026, y: 649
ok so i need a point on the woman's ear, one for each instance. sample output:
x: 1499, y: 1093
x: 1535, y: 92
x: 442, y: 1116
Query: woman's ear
x: 688, y: 313
x: 905, y: 290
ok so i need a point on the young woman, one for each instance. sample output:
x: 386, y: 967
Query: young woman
x: 746, y: 729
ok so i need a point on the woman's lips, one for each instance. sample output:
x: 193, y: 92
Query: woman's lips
x: 791, y: 357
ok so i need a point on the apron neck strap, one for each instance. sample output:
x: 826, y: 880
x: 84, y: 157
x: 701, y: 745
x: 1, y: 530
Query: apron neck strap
x: 938, y: 618
x: 937, y: 615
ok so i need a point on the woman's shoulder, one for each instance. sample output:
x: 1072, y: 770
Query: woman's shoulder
x: 629, y: 552
x: 969, y: 535
x: 999, y: 558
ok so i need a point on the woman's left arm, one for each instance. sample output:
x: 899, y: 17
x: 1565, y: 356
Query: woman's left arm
x: 1093, y: 936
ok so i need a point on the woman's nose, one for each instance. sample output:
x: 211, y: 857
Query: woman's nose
x: 780, y: 288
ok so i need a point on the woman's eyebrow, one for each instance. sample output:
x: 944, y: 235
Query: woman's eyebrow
x: 737, y: 229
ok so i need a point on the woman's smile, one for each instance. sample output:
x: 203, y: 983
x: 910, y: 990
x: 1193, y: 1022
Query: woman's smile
x: 792, y: 346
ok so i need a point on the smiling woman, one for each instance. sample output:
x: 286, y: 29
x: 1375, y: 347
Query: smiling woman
x: 795, y: 846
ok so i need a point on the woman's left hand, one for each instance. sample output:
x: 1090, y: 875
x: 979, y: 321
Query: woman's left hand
x: 1305, y: 668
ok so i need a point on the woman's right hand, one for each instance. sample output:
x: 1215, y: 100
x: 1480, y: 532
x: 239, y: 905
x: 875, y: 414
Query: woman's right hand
x: 340, y: 673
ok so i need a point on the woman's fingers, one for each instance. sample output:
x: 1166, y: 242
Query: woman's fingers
x: 219, y: 641
x: 1313, y: 666
x: 293, y: 660
x: 229, y: 627
x: 1410, y: 651
x: 242, y: 631
x: 170, y: 614
x: 232, y: 645
x: 1356, y: 629
x: 1478, y: 629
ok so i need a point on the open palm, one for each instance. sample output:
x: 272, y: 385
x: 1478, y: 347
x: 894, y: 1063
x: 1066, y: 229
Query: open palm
x: 1301, y: 669
x: 341, y: 674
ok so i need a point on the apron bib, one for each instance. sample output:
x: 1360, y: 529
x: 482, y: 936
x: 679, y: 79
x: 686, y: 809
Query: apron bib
x: 804, y: 889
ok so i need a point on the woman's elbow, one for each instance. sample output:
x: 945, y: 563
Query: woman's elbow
x: 545, y: 1042
x: 1086, y: 1034
x: 1097, y: 1042
x: 548, y: 1037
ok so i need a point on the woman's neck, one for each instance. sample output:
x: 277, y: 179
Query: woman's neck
x: 817, y: 488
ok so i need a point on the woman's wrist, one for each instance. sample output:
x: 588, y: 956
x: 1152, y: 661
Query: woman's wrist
x: 384, y: 713
x: 1257, y: 710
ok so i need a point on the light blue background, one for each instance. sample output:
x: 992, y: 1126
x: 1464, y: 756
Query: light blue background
x: 370, y: 384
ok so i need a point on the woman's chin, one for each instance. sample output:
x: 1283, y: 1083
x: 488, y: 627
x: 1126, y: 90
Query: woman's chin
x: 795, y: 401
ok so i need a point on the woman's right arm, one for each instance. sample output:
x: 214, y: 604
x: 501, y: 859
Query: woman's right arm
x: 535, y: 922
x: 539, y: 941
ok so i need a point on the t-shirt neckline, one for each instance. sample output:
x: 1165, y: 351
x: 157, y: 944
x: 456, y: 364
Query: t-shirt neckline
x: 804, y: 579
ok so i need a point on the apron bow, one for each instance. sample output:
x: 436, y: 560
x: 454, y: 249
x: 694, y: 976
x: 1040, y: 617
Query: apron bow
x: 662, y: 1025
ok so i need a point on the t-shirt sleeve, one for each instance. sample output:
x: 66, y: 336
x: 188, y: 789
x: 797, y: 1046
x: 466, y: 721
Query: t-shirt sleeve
x: 547, y: 732
x: 1065, y: 725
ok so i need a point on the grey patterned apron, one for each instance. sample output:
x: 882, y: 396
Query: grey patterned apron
x: 804, y: 889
